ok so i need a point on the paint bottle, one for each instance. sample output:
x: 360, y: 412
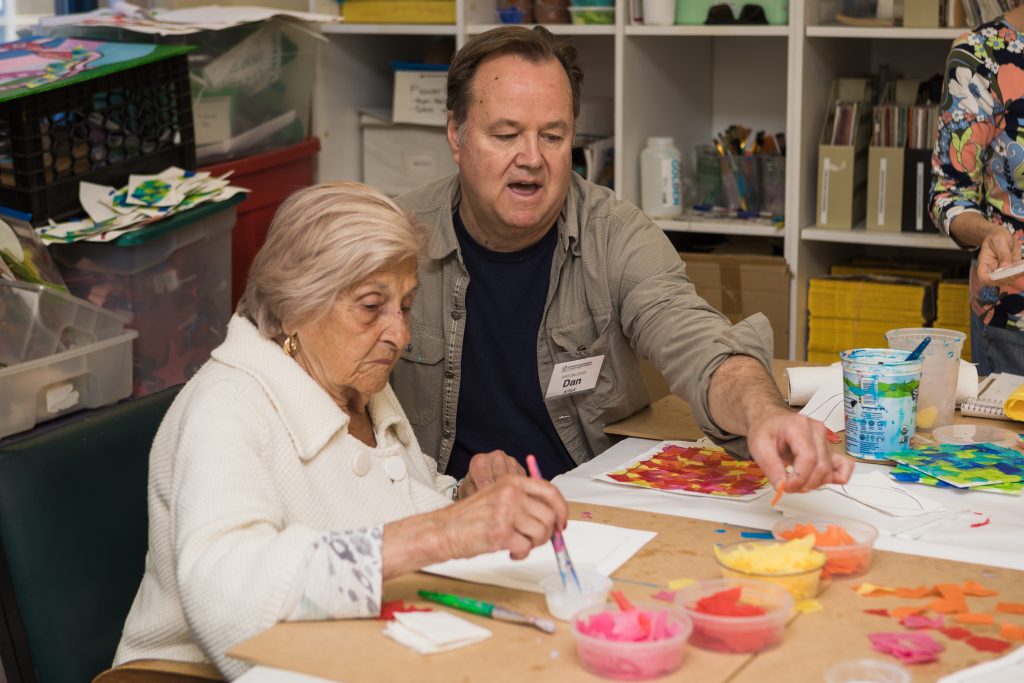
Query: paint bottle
x: 661, y: 194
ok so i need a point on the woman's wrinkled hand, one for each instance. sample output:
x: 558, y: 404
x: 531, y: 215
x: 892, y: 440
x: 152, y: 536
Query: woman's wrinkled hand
x: 485, y: 469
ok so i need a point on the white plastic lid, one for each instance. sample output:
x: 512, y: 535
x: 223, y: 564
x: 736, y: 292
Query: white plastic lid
x: 967, y: 433
x: 661, y: 142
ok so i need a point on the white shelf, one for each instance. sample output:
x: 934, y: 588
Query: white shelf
x: 894, y: 32
x: 391, y: 29
x: 721, y: 227
x: 713, y: 31
x: 887, y: 239
x: 557, y: 29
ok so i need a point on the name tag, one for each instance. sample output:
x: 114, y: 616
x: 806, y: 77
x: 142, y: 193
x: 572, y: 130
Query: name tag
x: 574, y: 376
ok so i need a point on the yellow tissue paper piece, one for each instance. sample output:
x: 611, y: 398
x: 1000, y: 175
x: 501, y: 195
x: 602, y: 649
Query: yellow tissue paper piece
x: 1014, y: 406
x: 808, y: 606
x: 870, y: 589
x: 773, y: 558
x: 926, y: 417
x: 676, y: 584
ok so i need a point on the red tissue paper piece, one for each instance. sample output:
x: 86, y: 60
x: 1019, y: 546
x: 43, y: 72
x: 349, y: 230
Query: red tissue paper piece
x: 586, y: 514
x: 832, y: 436
x: 983, y: 644
x: 955, y: 632
x: 879, y: 612
x: 667, y: 596
x: 917, y: 621
x: 727, y: 604
x: 909, y: 648
x: 388, y: 609
x: 978, y: 524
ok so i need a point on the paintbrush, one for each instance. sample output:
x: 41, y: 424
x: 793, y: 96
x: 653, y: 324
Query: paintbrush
x: 487, y: 609
x: 569, y: 577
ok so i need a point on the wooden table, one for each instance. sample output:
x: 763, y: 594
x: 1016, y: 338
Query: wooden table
x: 356, y: 651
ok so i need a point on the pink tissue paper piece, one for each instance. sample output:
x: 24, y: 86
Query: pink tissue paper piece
x: 631, y: 626
x: 910, y: 648
x: 667, y: 596
x: 917, y: 621
x: 586, y: 514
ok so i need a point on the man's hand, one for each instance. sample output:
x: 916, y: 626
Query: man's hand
x: 484, y: 470
x: 785, y: 437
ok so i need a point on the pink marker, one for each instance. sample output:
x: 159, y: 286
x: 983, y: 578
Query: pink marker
x: 561, y: 552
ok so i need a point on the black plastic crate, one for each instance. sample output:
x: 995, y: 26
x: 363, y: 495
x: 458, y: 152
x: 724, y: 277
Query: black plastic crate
x: 136, y: 120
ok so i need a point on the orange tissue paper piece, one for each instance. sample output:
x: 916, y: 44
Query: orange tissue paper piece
x: 919, y: 592
x: 905, y: 611
x: 976, y: 589
x: 952, y: 599
x: 1011, y: 607
x: 974, y: 618
x: 1011, y: 631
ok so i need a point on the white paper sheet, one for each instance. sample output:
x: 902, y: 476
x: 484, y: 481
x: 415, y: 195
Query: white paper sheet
x: 879, y: 492
x: 593, y: 547
x: 432, y: 632
x: 826, y: 406
x: 1009, y: 667
x: 267, y: 674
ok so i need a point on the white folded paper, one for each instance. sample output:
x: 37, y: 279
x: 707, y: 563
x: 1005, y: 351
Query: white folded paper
x: 432, y: 632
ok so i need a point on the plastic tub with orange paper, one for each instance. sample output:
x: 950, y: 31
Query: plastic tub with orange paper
x: 848, y: 544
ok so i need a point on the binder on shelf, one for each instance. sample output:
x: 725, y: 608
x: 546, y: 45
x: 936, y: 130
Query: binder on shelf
x: 922, y: 13
x: 886, y: 158
x: 842, y: 155
x: 917, y: 183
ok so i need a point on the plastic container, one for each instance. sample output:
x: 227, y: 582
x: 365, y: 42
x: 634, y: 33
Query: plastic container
x: 515, y: 11
x: 802, y: 584
x: 696, y: 11
x: 720, y: 633
x: 551, y: 12
x: 659, y: 12
x: 866, y: 671
x: 171, y: 279
x: 100, y: 129
x: 936, y: 398
x: 632, y: 661
x: 62, y: 355
x: 841, y: 560
x: 879, y: 390
x: 661, y: 192
x: 858, y: 8
x: 960, y: 434
x: 271, y: 177
x: 563, y: 604
x: 592, y: 15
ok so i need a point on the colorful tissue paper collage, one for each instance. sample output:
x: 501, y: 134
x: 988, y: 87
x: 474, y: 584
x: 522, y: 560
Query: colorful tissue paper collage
x: 979, y: 467
x: 693, y: 469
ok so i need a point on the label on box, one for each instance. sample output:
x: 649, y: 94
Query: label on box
x: 883, y: 174
x: 421, y: 163
x: 212, y: 117
x: 420, y: 97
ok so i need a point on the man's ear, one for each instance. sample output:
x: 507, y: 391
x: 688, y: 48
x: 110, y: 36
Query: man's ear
x: 453, y: 137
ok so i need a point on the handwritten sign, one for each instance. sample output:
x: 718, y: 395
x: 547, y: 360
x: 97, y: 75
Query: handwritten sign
x: 420, y: 97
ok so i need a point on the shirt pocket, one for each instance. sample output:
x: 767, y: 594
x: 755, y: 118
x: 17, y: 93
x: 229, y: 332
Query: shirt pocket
x: 419, y: 377
x: 585, y: 339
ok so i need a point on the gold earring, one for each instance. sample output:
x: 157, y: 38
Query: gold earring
x: 291, y: 344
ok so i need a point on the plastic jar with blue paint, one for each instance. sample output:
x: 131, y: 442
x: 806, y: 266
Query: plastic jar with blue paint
x: 880, y: 398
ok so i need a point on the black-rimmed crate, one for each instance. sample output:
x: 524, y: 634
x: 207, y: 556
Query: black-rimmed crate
x: 65, y: 122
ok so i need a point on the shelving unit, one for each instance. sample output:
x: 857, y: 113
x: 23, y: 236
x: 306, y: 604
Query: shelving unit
x: 688, y: 82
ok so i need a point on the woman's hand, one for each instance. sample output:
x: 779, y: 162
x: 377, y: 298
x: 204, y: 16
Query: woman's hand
x: 999, y: 249
x: 515, y: 513
x: 485, y: 469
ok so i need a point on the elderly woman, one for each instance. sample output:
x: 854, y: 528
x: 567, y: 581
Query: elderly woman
x: 285, y: 481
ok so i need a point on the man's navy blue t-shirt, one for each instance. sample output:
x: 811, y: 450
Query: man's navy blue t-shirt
x: 501, y: 402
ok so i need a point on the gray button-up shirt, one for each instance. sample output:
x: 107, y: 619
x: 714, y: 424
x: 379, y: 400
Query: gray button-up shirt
x: 617, y: 289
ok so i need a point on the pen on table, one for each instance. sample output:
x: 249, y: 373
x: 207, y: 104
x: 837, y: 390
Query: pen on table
x: 561, y: 552
x: 487, y: 609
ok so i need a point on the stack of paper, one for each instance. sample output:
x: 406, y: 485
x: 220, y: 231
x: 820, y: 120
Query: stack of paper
x: 432, y: 632
x: 145, y: 199
x: 977, y: 467
x: 856, y: 311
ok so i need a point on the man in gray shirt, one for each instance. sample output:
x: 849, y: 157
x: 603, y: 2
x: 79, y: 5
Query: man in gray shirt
x: 486, y: 340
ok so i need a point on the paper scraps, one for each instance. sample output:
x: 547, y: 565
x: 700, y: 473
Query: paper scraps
x: 432, y: 632
x: 630, y: 626
x: 665, y: 596
x: 918, y: 621
x: 390, y: 607
x: 909, y: 648
x: 984, y: 644
x: 676, y: 584
x: 728, y: 603
x: 1010, y: 607
x: 691, y: 469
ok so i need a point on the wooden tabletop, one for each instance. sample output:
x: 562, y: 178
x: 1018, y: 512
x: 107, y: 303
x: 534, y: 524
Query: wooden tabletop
x: 356, y: 651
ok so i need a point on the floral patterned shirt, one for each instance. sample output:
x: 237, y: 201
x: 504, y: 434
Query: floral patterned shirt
x: 978, y: 163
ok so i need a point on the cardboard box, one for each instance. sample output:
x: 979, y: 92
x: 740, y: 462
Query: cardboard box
x: 741, y: 285
x: 842, y: 169
x: 420, y: 97
x: 398, y: 11
x: 921, y: 13
x: 400, y: 157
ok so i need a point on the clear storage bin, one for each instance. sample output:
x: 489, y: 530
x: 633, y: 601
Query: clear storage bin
x: 61, y: 354
x: 173, y: 281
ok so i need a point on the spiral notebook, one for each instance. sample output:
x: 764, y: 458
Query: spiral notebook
x: 993, y: 393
